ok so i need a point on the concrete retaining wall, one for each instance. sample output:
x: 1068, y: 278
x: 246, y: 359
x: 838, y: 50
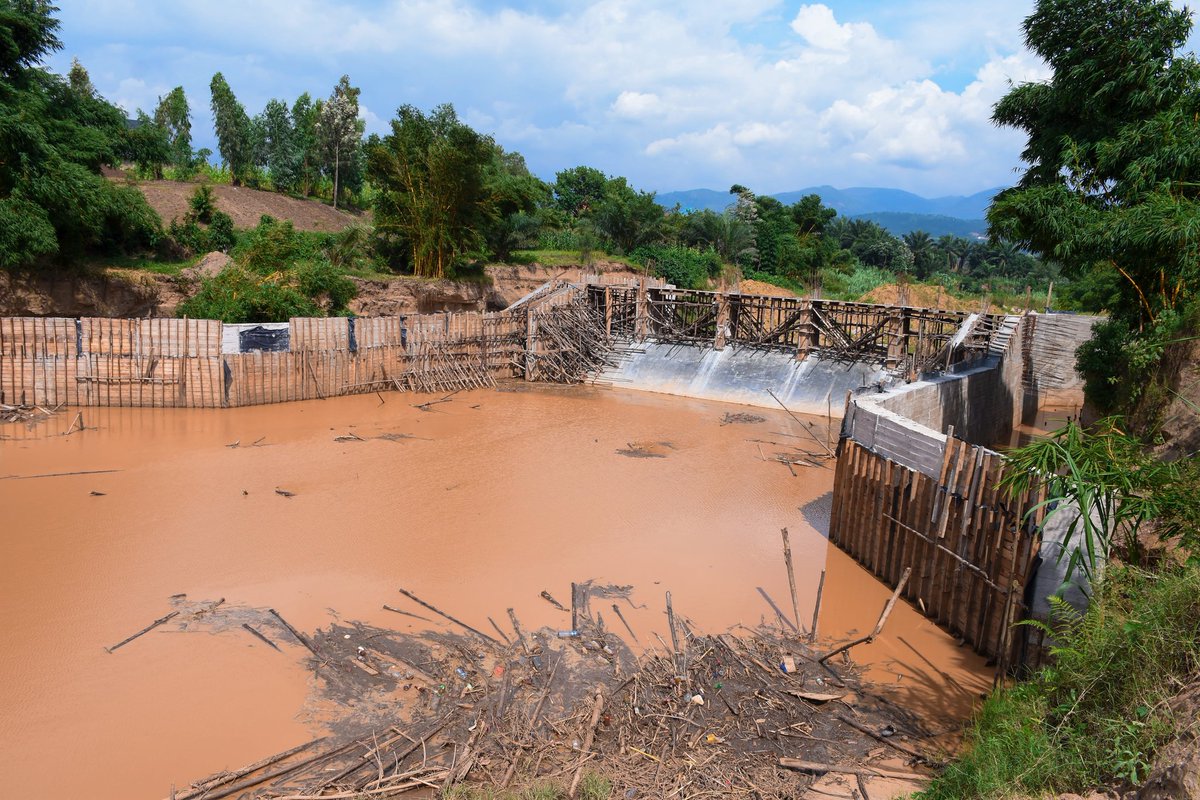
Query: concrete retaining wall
x: 743, y: 375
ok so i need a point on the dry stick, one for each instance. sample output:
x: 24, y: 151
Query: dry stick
x: 787, y: 558
x: 503, y: 636
x: 386, y: 607
x: 143, y: 631
x: 279, y: 773
x: 574, y: 606
x: 812, y: 634
x: 246, y: 625
x: 867, y: 772
x: 621, y: 617
x: 674, y: 637
x: 512, y: 616
x: 300, y: 638
x: 886, y: 740
x: 443, y: 614
x: 549, y: 599
x: 870, y: 637
x: 537, y: 712
x: 587, y: 741
x: 246, y: 770
x: 58, y: 474
x: 803, y: 426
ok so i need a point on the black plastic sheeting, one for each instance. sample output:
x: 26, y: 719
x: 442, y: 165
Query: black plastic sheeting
x: 353, y: 339
x: 267, y: 340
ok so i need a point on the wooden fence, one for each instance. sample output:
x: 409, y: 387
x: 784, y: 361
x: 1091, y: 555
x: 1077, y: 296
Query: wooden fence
x: 971, y: 549
x: 54, y: 362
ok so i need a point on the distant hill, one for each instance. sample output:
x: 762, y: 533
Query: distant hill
x: 899, y: 223
x: 853, y: 202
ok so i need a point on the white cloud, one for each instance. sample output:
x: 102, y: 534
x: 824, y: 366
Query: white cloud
x: 637, y: 105
x: 671, y: 96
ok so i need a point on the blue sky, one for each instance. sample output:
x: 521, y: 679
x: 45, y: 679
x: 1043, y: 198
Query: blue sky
x: 773, y: 95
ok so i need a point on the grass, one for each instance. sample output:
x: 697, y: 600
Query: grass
x: 1097, y: 716
x: 147, y: 264
x: 592, y: 786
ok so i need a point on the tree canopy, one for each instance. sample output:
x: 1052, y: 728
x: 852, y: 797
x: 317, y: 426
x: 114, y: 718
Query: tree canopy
x: 1113, y: 175
x: 54, y: 138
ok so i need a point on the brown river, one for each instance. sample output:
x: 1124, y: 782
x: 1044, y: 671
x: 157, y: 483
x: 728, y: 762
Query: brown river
x: 476, y: 504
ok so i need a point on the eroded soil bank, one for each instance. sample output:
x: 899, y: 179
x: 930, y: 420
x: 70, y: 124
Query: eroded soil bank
x: 476, y: 504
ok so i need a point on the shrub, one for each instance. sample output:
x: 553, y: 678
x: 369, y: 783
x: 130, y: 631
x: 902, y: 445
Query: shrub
x: 237, y: 295
x: 203, y: 204
x: 1098, y: 715
x: 686, y: 267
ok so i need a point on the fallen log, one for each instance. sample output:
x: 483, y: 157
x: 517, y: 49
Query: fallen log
x: 299, y: 637
x: 143, y: 631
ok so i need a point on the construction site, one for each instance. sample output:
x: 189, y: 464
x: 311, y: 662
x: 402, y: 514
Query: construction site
x: 679, y: 543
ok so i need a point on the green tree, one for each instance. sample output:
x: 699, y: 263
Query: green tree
x: 920, y: 244
x: 1113, y: 177
x: 513, y: 196
x: 627, y: 218
x: 281, y: 154
x: 53, y: 141
x: 340, y: 130
x: 1113, y: 149
x: 578, y: 190
x: 79, y: 79
x: 304, y: 138
x: 233, y: 130
x: 175, y: 116
x: 430, y: 174
x: 148, y: 145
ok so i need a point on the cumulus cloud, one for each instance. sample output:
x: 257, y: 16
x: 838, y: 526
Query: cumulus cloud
x: 672, y: 96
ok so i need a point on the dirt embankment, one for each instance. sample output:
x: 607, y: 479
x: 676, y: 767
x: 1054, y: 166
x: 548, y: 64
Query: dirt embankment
x: 246, y: 206
x: 114, y: 292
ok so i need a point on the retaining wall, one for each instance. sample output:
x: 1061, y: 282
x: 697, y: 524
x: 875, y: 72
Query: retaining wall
x: 917, y: 484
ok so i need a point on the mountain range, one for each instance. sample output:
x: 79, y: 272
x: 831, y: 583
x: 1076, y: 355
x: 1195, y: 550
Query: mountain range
x: 897, y: 210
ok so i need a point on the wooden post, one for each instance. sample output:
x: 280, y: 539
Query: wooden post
x: 722, y: 321
x: 787, y: 559
x: 608, y: 311
x: 641, y: 325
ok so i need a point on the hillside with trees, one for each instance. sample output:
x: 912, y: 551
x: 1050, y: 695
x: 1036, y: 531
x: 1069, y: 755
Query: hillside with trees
x: 433, y: 198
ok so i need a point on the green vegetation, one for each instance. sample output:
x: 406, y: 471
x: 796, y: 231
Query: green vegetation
x: 55, y: 135
x: 1111, y: 194
x: 279, y: 273
x: 1098, y: 714
x: 1112, y: 191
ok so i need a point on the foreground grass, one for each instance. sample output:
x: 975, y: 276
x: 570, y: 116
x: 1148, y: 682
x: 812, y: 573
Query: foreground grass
x: 1098, y: 715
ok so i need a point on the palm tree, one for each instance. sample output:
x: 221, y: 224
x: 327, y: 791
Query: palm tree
x: 920, y: 244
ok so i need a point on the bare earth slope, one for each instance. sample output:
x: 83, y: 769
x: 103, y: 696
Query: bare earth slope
x: 246, y: 206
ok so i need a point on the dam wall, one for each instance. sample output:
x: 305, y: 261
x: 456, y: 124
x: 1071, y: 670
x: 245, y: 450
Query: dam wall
x: 918, y: 485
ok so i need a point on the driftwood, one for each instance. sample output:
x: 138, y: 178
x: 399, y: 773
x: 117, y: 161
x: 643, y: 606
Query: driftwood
x: 597, y: 707
x: 203, y: 787
x: 386, y: 607
x: 444, y: 615
x: 866, y: 772
x: 246, y: 625
x: 550, y: 599
x: 812, y: 633
x: 870, y: 637
x: 143, y: 631
x: 803, y: 425
x: 621, y: 617
x: 299, y: 637
x: 58, y: 474
x: 888, y: 741
x: 791, y: 573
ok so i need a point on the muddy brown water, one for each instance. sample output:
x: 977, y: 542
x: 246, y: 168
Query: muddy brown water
x: 475, y: 505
